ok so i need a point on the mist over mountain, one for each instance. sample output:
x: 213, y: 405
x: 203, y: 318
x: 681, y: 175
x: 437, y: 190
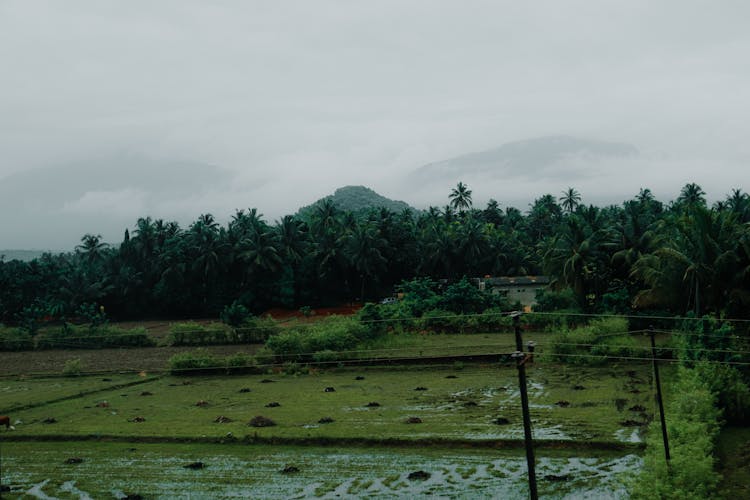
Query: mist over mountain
x: 550, y: 157
x: 52, y: 207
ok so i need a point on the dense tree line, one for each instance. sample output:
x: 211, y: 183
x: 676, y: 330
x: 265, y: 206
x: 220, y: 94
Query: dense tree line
x: 679, y: 257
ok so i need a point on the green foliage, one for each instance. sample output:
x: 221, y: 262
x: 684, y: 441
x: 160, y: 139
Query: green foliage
x: 732, y: 393
x: 240, y: 363
x: 70, y: 336
x: 332, y: 334
x: 30, y: 317
x: 254, y: 330
x: 192, y: 333
x: 15, y: 339
x: 198, y: 361
x: 419, y: 296
x: 372, y: 320
x: 591, y: 344
x: 93, y: 314
x: 234, y: 314
x: 72, y: 368
x: 465, y: 297
x: 692, y: 426
x: 442, y: 321
x: 707, y: 339
x: 555, y: 300
x: 494, y: 319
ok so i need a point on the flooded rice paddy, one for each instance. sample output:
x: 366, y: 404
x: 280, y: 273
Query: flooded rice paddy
x: 114, y: 470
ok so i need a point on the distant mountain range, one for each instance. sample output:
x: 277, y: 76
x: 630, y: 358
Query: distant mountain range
x: 541, y: 157
x: 357, y: 198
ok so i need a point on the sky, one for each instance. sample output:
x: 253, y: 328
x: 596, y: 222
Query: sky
x: 273, y: 104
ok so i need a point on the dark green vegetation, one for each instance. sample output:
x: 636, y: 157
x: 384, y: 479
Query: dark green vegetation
x: 641, y: 256
x: 356, y: 199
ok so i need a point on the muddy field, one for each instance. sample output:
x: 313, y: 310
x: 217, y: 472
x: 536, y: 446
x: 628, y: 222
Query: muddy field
x: 44, y: 470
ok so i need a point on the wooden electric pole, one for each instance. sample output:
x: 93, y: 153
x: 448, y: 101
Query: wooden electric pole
x: 521, y: 359
x: 664, y: 436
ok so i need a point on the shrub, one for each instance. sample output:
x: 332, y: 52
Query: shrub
x: 198, y: 361
x: 419, y: 296
x: 692, y: 426
x: 89, y: 337
x: 234, y: 314
x: 15, y: 339
x: 732, y: 393
x: 255, y: 330
x: 192, y: 333
x: 326, y: 356
x: 240, y: 363
x: 548, y: 300
x: 287, y: 345
x: 493, y: 319
x: 333, y: 334
x: 592, y: 343
x: 72, y: 368
x: 465, y: 297
x: 371, y: 318
x: 441, y: 321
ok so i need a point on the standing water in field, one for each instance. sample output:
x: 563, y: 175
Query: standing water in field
x: 159, y: 471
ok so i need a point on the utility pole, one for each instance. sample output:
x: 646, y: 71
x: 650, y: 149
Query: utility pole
x: 664, y: 436
x: 521, y: 359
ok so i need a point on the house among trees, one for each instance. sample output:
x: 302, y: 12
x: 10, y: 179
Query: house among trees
x: 516, y: 288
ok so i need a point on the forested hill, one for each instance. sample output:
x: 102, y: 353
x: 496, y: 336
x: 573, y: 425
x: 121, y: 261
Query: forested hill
x: 356, y: 198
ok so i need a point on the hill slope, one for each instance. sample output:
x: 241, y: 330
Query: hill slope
x: 358, y: 198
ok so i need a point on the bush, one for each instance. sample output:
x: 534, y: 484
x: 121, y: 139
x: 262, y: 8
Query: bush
x: 93, y: 337
x: 198, y: 361
x: 192, y: 333
x: 326, y: 356
x: 234, y: 314
x: 442, y: 321
x: 732, y: 394
x: 494, y: 319
x: 332, y: 334
x: 240, y: 363
x: 371, y: 318
x: 72, y: 368
x: 692, y: 426
x: 593, y: 343
x: 288, y: 344
x: 255, y: 330
x: 15, y: 339
x: 548, y: 300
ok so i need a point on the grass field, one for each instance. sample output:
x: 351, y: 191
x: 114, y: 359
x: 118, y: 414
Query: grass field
x: 568, y: 403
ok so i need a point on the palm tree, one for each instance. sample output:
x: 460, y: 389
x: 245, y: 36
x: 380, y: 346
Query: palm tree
x: 570, y: 200
x: 691, y: 196
x: 460, y: 197
x: 363, y: 247
x: 91, y: 248
x: 695, y: 264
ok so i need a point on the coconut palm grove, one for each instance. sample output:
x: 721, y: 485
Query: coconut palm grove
x: 416, y: 344
x: 676, y: 257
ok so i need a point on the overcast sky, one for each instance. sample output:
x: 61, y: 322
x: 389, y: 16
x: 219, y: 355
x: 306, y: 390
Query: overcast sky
x: 288, y: 100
